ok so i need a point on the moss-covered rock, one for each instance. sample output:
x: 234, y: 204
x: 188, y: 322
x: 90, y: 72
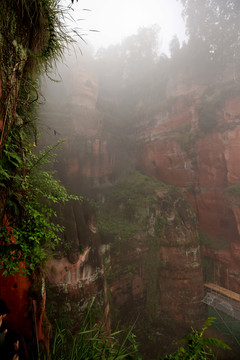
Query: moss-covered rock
x: 140, y: 204
x: 153, y: 265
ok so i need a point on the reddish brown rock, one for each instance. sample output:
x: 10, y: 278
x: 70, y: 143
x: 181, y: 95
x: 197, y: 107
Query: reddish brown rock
x: 203, y: 165
x: 83, y: 87
x: 165, y: 160
x: 154, y: 273
x: 231, y: 153
x: 22, y: 294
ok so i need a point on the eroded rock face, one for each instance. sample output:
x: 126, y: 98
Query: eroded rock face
x: 204, y: 163
x: 87, y: 159
x: 75, y: 274
x: 83, y: 87
x: 154, y: 267
x: 26, y: 299
x: 87, y: 163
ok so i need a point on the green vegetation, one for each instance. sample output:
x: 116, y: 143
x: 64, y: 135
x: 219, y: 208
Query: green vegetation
x: 120, y: 227
x: 135, y: 184
x: 212, y: 102
x: 93, y: 341
x: 232, y: 194
x: 32, y: 36
x: 187, y: 139
x: 233, y: 190
x: 209, y: 114
x: 213, y: 30
x: 29, y: 230
x: 96, y: 342
x: 125, y: 209
x: 160, y: 226
x: 195, y: 346
x: 225, y: 325
x: 213, y: 243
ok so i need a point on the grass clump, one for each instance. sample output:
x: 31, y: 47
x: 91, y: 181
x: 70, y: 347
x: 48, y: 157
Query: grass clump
x: 93, y: 341
x: 196, y: 346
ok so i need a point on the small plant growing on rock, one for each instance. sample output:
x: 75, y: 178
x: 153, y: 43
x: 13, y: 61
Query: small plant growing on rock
x: 195, y: 346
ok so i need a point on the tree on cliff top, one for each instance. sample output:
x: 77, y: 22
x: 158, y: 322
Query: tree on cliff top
x: 215, y: 24
x: 132, y: 59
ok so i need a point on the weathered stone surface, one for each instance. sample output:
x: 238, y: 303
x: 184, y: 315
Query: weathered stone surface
x: 75, y: 276
x: 154, y: 270
x: 148, y: 277
x: 87, y: 160
x: 203, y: 165
x: 83, y: 87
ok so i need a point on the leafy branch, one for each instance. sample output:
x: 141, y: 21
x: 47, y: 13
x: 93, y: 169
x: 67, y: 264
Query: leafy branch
x: 195, y: 346
x: 29, y: 228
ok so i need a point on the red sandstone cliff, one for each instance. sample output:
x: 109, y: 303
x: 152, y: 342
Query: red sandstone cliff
x: 86, y: 160
x: 173, y: 148
x: 150, y: 276
x: 153, y: 269
x: 204, y: 164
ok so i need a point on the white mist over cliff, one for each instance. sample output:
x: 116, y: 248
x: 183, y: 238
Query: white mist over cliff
x: 106, y: 22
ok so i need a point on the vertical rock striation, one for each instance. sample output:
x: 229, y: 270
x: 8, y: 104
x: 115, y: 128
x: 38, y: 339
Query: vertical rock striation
x: 196, y: 147
x: 154, y: 267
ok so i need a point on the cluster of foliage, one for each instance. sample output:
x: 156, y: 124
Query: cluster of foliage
x: 196, y: 346
x: 125, y: 208
x: 214, y: 26
x: 94, y: 341
x: 32, y: 35
x: 28, y: 230
x: 134, y: 72
x: 211, y: 104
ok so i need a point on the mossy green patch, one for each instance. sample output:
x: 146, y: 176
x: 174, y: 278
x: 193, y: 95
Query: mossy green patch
x: 233, y: 190
x: 213, y: 101
x: 160, y: 226
x: 127, y: 206
x: 218, y: 243
x: 232, y: 195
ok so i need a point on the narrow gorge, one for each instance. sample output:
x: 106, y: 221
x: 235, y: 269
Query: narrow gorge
x: 163, y: 186
x: 148, y: 144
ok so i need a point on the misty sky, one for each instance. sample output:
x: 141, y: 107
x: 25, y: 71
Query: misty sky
x: 116, y: 19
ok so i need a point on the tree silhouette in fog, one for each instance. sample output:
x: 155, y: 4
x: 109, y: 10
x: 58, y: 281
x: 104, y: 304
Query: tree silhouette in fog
x: 214, y: 25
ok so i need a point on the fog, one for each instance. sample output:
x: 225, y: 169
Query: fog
x: 104, y: 23
x: 150, y: 119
